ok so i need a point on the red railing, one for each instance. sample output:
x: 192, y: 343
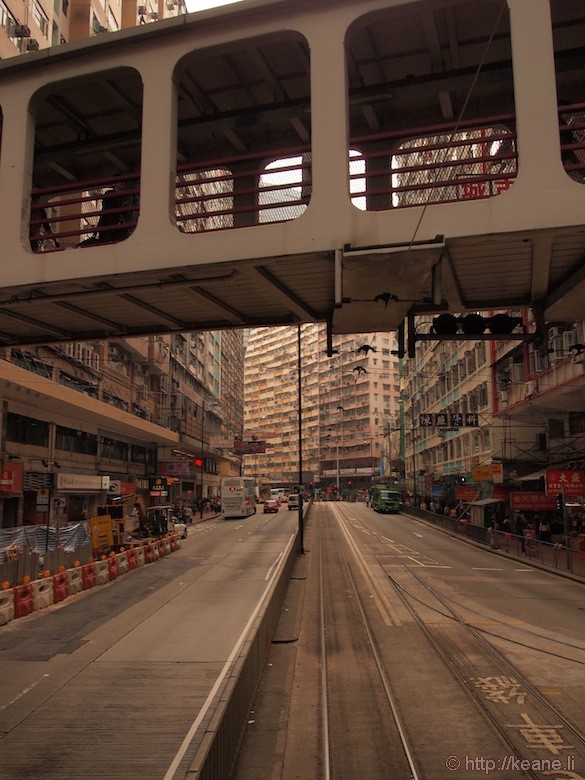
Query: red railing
x: 445, y: 163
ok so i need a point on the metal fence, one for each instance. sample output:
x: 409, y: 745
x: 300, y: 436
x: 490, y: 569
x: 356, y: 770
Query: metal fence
x: 554, y: 555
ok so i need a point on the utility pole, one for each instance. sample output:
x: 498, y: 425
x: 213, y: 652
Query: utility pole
x: 300, y: 409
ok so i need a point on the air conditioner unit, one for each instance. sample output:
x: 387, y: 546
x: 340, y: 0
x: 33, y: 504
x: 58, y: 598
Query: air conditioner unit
x: 531, y: 387
x: 554, y: 332
x: 569, y: 338
x: 22, y: 31
x: 579, y: 357
x: 142, y: 9
x: 517, y: 373
x: 32, y: 45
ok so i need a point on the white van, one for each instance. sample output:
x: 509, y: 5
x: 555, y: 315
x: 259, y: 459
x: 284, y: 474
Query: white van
x: 294, y: 501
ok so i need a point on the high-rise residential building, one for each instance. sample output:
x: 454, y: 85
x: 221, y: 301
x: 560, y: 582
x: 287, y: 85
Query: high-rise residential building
x: 495, y: 414
x: 348, y: 403
x: 38, y: 24
x: 152, y: 418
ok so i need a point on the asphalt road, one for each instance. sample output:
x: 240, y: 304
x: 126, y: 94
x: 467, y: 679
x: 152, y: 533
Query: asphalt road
x: 108, y: 683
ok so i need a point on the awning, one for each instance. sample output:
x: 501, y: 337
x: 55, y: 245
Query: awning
x: 533, y: 477
x: 486, y: 501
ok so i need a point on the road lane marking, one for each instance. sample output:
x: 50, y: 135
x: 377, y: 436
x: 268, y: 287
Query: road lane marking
x: 484, y: 568
x: 420, y: 536
x: 23, y: 692
x: 269, y: 572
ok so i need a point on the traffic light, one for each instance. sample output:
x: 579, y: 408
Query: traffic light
x: 349, y: 482
x: 198, y: 462
x: 474, y: 324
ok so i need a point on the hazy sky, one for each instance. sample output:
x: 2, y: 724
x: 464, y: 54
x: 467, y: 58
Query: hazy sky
x: 201, y: 5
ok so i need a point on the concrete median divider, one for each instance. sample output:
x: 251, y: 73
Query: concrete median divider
x: 6, y: 606
x: 75, y: 580
x: 43, y: 592
x: 219, y: 745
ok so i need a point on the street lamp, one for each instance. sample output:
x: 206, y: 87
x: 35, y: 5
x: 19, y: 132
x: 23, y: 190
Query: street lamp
x: 203, y: 410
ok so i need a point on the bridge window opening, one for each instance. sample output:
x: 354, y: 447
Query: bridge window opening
x: 243, y: 136
x: 431, y: 104
x: 568, y: 19
x: 86, y: 168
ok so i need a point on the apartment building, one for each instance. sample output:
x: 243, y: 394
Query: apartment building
x: 86, y: 423
x: 29, y: 25
x: 349, y: 401
x: 517, y: 406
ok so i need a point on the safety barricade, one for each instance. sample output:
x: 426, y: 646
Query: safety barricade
x: 167, y: 545
x: 149, y: 553
x: 139, y: 556
x: 131, y: 558
x: 173, y: 542
x: 102, y: 572
x: 178, y: 541
x: 122, y: 562
x: 24, y: 601
x: 74, y: 580
x: 60, y: 587
x: 6, y: 606
x: 43, y: 592
x: 88, y: 576
x: 161, y: 548
x: 112, y: 567
x: 155, y: 551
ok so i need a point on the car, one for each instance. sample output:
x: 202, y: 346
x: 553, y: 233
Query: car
x: 271, y: 506
x: 293, y: 501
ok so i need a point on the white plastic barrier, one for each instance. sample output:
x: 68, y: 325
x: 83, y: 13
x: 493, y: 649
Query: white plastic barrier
x: 42, y: 592
x: 122, y: 560
x: 178, y: 540
x: 75, y: 580
x: 167, y: 545
x: 102, y: 572
x: 6, y: 606
x: 139, y: 556
x: 154, y: 547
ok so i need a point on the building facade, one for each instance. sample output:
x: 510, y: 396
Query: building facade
x: 87, y: 423
x: 348, y: 402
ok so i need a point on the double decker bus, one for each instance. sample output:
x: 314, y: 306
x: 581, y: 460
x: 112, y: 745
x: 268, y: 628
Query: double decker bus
x: 238, y: 496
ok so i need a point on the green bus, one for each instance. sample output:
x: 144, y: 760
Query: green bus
x: 385, y: 499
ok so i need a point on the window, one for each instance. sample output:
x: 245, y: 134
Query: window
x: 70, y: 440
x: 27, y: 430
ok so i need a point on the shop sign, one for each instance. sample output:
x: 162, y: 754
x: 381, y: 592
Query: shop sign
x: 249, y: 447
x: 571, y: 482
x: 42, y: 497
x: 466, y: 492
x: 81, y: 482
x: 482, y: 473
x: 498, y: 473
x: 532, y: 500
x: 176, y: 468
x: 11, y: 477
x: 158, y: 486
x: 502, y: 491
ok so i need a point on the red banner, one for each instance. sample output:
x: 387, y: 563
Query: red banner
x: 11, y: 477
x: 249, y: 447
x: 532, y: 500
x: 571, y: 482
x: 466, y: 492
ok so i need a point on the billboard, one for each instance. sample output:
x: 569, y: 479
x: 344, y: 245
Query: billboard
x: 249, y: 447
x: 570, y: 482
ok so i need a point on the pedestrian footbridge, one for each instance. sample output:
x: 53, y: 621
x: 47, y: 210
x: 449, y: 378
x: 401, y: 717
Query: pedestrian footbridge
x: 280, y: 162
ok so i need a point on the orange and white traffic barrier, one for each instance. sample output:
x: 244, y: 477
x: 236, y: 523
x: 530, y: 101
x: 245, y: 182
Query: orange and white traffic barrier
x: 24, y: 601
x: 155, y: 551
x: 75, y: 580
x: 122, y: 560
x: 160, y: 545
x: 131, y: 558
x: 88, y: 576
x: 43, y: 592
x: 167, y: 545
x: 102, y: 572
x: 60, y: 587
x: 6, y: 606
x: 139, y: 556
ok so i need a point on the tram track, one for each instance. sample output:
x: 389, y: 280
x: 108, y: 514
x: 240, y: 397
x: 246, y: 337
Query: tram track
x: 530, y: 727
